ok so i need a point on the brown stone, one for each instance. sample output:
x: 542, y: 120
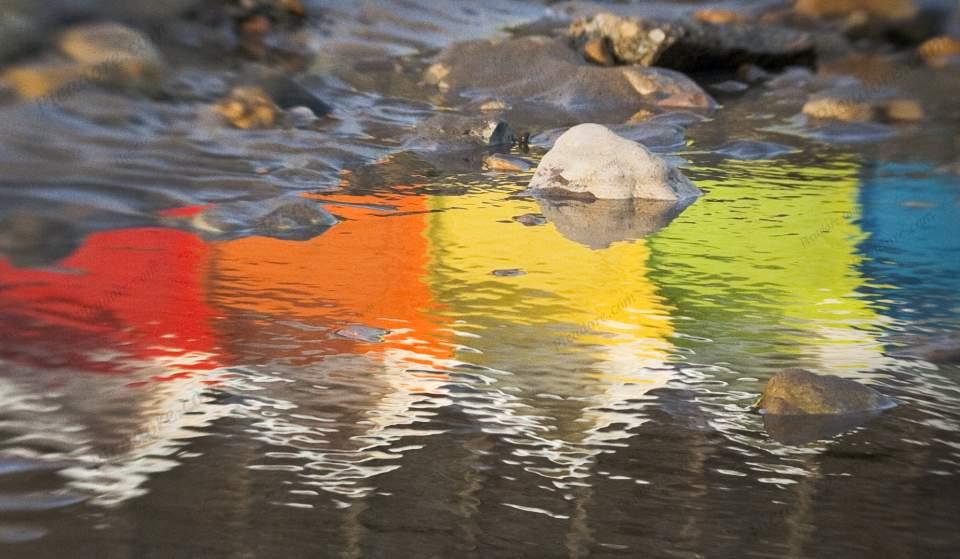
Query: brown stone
x: 800, y: 392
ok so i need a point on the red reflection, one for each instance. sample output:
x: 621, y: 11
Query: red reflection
x: 124, y: 300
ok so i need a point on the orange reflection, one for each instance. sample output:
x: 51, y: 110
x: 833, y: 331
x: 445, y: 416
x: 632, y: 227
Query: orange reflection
x: 367, y: 270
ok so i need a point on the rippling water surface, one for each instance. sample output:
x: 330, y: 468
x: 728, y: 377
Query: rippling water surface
x: 433, y: 378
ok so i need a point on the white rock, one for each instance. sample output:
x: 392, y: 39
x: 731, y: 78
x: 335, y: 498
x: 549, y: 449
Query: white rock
x: 589, y: 159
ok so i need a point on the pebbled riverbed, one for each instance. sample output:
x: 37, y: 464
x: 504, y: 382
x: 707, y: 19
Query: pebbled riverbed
x: 455, y: 368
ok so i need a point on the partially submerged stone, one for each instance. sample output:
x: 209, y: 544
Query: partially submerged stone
x: 248, y: 107
x: 285, y: 217
x: 691, y: 44
x: 800, y: 392
x: 590, y: 161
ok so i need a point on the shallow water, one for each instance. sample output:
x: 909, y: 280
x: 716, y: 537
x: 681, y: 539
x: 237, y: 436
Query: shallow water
x: 432, y: 378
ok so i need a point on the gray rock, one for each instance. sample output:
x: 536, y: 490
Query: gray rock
x: 800, y: 392
x: 536, y: 73
x: 590, y: 161
x: 285, y: 217
x: 691, y: 45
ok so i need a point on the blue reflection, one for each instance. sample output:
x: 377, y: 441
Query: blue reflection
x: 912, y: 254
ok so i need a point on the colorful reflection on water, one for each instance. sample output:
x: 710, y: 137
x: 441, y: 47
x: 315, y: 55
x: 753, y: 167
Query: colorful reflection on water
x: 380, y: 380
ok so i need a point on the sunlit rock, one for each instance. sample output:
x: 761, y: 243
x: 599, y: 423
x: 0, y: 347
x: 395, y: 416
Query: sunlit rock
x: 800, y: 392
x: 598, y: 224
x: 285, y: 217
x: 590, y: 161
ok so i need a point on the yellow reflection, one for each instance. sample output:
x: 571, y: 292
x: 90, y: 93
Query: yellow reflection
x: 583, y: 325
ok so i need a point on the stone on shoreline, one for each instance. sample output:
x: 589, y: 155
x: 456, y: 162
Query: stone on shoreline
x: 590, y: 161
x: 692, y: 44
x: 800, y: 392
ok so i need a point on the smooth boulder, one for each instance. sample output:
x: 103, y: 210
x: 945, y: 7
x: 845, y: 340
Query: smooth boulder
x: 800, y: 392
x: 589, y: 161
